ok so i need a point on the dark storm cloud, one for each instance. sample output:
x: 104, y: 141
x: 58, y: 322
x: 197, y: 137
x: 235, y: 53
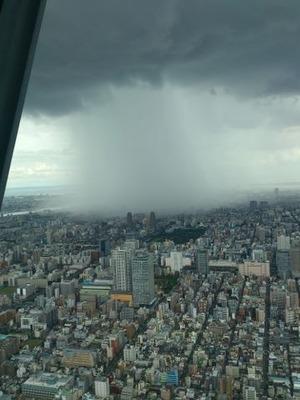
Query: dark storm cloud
x: 247, y: 48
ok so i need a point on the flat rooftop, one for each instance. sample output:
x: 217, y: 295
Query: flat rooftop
x: 48, y: 380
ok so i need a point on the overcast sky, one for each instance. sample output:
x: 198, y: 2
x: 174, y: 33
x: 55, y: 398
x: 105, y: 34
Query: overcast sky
x: 163, y: 103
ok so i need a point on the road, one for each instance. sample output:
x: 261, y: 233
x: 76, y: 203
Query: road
x: 266, y: 343
x: 202, y: 330
x: 234, y: 324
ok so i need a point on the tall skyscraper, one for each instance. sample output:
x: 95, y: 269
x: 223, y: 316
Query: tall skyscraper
x: 202, y: 260
x: 143, y: 278
x: 129, y: 220
x: 283, y: 259
x: 104, y: 247
x: 152, y: 222
x: 121, y: 264
x: 295, y: 257
x: 131, y: 245
x: 283, y: 242
x: 276, y: 194
x: 283, y: 263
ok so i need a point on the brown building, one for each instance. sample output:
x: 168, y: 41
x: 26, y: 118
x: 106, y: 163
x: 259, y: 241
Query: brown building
x: 123, y: 297
x: 6, y: 316
x: 9, y: 345
x: 74, y: 358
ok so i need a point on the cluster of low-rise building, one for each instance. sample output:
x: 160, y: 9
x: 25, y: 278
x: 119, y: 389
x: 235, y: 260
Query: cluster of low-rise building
x: 202, y: 306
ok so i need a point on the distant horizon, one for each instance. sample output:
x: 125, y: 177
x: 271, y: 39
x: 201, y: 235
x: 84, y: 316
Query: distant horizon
x: 61, y: 198
x: 251, y: 187
x: 34, y: 188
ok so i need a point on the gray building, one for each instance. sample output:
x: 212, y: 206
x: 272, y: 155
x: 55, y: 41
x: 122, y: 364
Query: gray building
x: 283, y: 256
x: 283, y: 263
x: 127, y: 313
x: 295, y: 257
x: 121, y: 264
x: 129, y: 219
x: 104, y: 247
x: 152, y: 222
x: 143, y: 278
x: 45, y: 385
x: 202, y: 261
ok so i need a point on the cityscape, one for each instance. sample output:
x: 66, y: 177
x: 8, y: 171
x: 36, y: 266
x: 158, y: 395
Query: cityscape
x: 149, y: 200
x: 150, y: 306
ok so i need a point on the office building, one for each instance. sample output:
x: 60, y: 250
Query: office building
x: 104, y: 247
x: 202, y: 261
x: 143, y: 278
x: 283, y: 242
x: 131, y: 245
x: 152, y: 222
x: 45, y: 386
x: 253, y: 205
x: 295, y: 258
x: 263, y: 204
x: 283, y: 259
x: 121, y: 264
x: 102, y: 387
x: 129, y: 220
x: 283, y: 263
x: 261, y: 269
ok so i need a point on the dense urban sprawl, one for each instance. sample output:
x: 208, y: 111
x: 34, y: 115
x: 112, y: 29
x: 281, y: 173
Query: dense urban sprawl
x: 202, y: 306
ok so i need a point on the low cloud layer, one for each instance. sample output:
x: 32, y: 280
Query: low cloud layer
x: 248, y: 49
